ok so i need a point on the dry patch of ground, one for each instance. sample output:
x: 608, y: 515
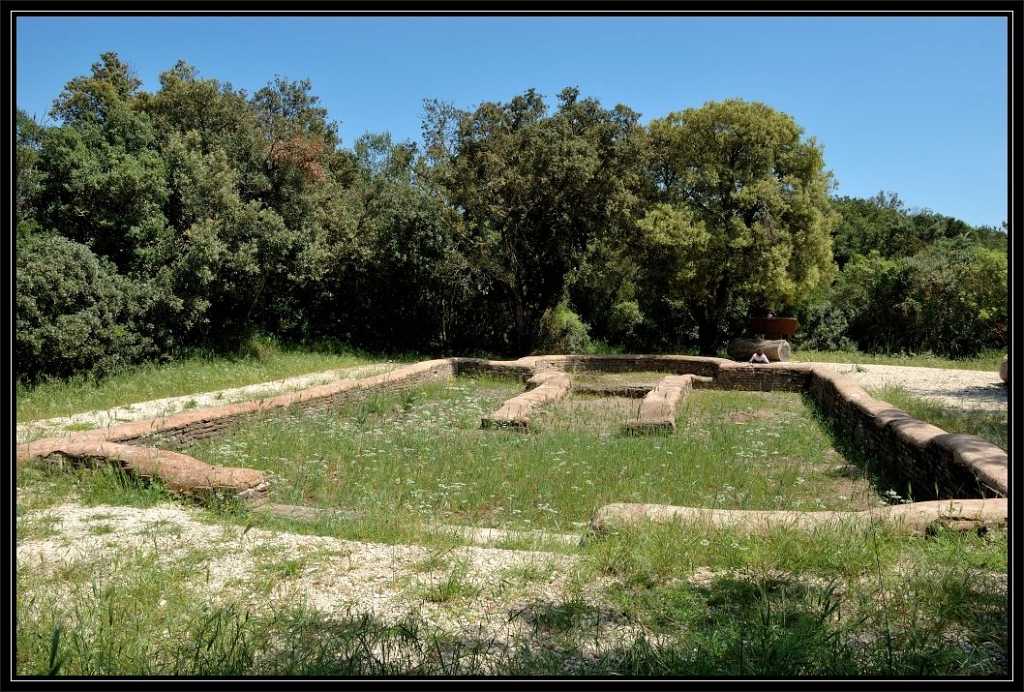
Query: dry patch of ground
x: 969, y: 389
x: 490, y: 592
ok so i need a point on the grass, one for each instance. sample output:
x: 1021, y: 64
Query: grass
x: 834, y: 605
x: 261, y: 361
x: 986, y: 360
x: 423, y: 455
x: 645, y: 601
x: 989, y: 425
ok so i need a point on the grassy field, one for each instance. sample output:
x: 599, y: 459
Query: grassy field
x: 987, y: 360
x: 422, y: 454
x: 833, y: 603
x: 262, y: 361
x: 233, y: 593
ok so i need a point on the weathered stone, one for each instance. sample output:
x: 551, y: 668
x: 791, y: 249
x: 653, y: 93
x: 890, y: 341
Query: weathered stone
x: 777, y: 350
x: 543, y: 387
x: 657, y: 411
x: 179, y: 472
x: 961, y: 463
x: 916, y: 517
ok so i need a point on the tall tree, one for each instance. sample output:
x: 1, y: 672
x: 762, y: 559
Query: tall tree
x: 743, y: 217
x: 535, y: 188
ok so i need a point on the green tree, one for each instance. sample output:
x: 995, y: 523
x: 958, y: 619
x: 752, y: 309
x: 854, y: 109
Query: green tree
x: 30, y: 178
x: 534, y: 189
x: 885, y: 225
x: 74, y: 312
x: 105, y: 181
x: 743, y: 217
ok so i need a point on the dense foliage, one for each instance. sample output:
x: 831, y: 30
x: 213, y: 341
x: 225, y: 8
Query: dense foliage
x: 151, y: 223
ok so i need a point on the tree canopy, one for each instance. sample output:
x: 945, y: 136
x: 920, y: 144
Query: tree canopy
x: 197, y: 215
x: 742, y: 215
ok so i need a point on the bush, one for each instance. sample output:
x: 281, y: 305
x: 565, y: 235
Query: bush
x: 823, y: 328
x: 624, y: 319
x: 74, y: 313
x: 956, y: 298
x: 562, y: 331
x: 949, y: 299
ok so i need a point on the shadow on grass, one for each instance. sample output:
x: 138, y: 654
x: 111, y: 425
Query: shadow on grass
x: 912, y: 480
x: 753, y: 627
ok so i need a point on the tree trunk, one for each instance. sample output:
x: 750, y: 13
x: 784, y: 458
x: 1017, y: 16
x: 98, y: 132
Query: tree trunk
x: 707, y: 336
x: 743, y: 349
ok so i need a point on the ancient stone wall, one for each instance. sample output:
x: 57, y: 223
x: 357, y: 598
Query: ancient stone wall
x: 188, y: 426
x: 954, y: 465
x: 935, y: 461
x: 546, y: 386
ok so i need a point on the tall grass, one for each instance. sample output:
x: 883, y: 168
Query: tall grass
x: 837, y: 608
x: 644, y: 601
x: 989, y: 425
x: 423, y: 455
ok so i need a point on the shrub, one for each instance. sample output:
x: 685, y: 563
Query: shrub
x: 562, y: 331
x: 624, y: 319
x: 823, y: 328
x: 948, y: 299
x: 74, y: 313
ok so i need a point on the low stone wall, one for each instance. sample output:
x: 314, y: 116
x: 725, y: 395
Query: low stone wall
x: 547, y: 385
x: 676, y: 365
x: 189, y: 426
x: 657, y: 411
x: 500, y: 368
x: 179, y: 472
x: 916, y: 517
x: 937, y: 463
x: 948, y: 465
x: 626, y: 391
x: 770, y: 377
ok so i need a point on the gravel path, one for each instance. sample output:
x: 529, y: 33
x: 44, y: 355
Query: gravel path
x: 967, y: 389
x: 164, y: 407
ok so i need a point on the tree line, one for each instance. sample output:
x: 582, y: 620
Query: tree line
x: 198, y: 215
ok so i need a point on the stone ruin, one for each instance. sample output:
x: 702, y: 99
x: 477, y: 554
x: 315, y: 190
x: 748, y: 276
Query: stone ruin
x: 971, y: 474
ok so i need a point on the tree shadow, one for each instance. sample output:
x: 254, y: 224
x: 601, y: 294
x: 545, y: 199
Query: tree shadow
x: 750, y: 626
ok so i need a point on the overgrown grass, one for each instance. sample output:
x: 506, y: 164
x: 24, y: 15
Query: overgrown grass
x: 423, y: 455
x: 869, y: 603
x: 645, y: 601
x: 261, y: 361
x: 989, y: 425
x: 987, y: 360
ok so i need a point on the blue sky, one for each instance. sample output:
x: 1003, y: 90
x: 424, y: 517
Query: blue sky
x: 912, y: 105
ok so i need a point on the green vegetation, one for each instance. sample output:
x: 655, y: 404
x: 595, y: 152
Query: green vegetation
x: 989, y: 425
x: 654, y: 600
x: 836, y: 602
x: 760, y: 241
x: 159, y: 233
x: 261, y: 361
x: 153, y: 224
x: 423, y: 455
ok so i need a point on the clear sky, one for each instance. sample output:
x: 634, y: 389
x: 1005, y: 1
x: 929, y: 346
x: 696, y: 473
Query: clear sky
x: 916, y: 105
